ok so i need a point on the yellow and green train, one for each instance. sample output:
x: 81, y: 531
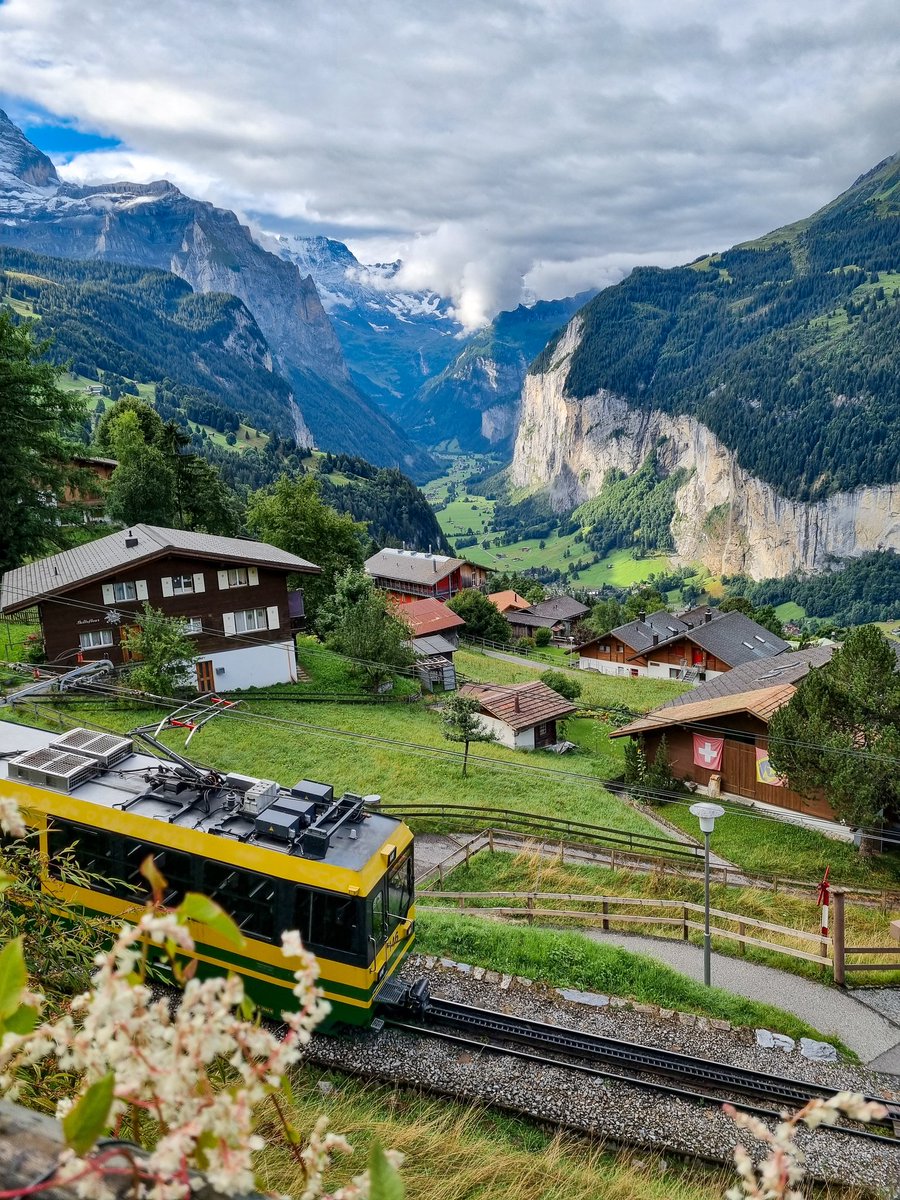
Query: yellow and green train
x: 275, y: 858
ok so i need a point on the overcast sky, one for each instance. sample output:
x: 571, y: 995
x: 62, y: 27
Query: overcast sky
x: 485, y: 142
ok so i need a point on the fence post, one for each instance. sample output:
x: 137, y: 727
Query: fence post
x: 837, y: 933
x: 562, y: 852
x: 742, y: 929
x: 685, y: 932
x: 612, y: 858
x: 604, y: 924
x: 530, y: 908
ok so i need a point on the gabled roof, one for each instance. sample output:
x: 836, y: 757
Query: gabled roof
x: 790, y: 667
x: 508, y: 599
x: 411, y: 566
x: 428, y: 616
x: 519, y: 705
x: 560, y: 608
x: 530, y: 619
x: 760, y: 703
x: 736, y: 639
x: 109, y: 555
x: 428, y: 646
x: 731, y: 637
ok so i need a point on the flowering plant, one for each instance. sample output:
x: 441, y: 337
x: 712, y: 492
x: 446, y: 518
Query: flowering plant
x: 776, y: 1177
x: 188, y: 1077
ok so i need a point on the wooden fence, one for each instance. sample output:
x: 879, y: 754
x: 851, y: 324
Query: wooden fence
x: 842, y: 951
x: 608, y: 911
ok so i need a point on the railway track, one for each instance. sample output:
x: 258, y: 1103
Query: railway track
x: 652, y: 1068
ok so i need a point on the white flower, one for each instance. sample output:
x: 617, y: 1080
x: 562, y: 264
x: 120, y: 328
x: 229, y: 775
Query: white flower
x: 11, y: 820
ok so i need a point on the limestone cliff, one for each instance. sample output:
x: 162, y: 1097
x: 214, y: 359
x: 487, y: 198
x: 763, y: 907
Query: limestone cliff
x: 724, y: 516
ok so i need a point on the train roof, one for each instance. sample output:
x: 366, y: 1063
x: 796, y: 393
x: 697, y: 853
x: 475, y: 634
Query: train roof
x: 304, y: 822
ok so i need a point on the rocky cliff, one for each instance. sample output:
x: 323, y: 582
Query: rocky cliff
x: 725, y: 517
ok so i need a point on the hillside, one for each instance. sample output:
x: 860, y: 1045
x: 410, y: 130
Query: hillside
x: 766, y: 375
x: 156, y: 225
x: 786, y: 348
x: 148, y: 326
x: 473, y: 402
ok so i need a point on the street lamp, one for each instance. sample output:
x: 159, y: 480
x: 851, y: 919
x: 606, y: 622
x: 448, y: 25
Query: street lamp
x: 706, y: 814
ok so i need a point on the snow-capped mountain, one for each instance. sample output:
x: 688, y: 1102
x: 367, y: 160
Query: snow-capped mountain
x: 157, y: 225
x: 394, y: 340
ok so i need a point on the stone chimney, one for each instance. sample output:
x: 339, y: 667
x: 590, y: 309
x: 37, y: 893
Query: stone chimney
x: 656, y: 639
x: 707, y: 616
x: 642, y: 616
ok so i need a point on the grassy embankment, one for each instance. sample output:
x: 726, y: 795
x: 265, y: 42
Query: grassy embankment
x: 457, y: 1151
x: 525, y: 872
x: 570, y: 960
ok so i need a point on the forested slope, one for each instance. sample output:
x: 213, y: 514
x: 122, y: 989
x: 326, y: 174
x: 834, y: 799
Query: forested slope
x: 786, y: 348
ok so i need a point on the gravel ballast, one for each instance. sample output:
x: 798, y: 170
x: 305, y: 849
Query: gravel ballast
x: 609, y: 1109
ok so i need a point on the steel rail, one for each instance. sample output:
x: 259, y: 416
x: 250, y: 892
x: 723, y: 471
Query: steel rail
x: 680, y: 1093
x: 633, y: 1056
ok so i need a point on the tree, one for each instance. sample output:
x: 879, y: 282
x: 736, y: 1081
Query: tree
x: 514, y: 581
x: 462, y: 723
x: 35, y: 457
x: 292, y: 516
x: 482, y: 618
x: 542, y: 637
x: 566, y: 686
x: 604, y: 616
x: 635, y: 761
x: 163, y: 652
x: 736, y: 604
x: 840, y: 732
x: 359, y: 622
x: 645, y: 599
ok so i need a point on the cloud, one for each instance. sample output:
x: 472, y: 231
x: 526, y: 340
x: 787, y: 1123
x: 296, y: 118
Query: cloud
x: 521, y: 144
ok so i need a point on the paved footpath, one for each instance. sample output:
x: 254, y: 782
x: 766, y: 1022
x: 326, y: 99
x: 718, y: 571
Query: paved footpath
x: 875, y: 1039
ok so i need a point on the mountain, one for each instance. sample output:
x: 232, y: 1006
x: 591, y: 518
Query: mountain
x: 393, y: 339
x: 156, y: 225
x: 768, y: 373
x: 475, y: 399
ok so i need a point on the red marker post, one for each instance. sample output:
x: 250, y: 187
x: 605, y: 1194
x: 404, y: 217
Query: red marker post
x: 822, y: 897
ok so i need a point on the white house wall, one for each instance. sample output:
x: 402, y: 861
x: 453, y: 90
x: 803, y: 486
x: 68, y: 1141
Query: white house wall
x: 506, y: 736
x: 253, y: 666
x: 653, y: 671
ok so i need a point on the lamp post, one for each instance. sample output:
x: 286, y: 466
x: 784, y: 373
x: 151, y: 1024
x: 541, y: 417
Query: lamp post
x: 706, y: 814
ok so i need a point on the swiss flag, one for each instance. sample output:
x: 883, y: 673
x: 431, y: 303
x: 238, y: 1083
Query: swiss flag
x: 708, y: 752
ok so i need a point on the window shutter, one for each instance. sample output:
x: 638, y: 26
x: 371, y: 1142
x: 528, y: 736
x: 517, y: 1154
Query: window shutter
x: 223, y: 580
x: 252, y: 576
x: 140, y: 586
x: 109, y: 596
x: 228, y: 622
x: 199, y: 582
x: 167, y: 585
x: 273, y: 618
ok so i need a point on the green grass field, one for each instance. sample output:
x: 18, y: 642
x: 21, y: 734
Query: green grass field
x: 789, y: 611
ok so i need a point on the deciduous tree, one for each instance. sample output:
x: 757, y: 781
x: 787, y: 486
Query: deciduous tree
x: 482, y: 618
x: 463, y: 724
x: 360, y: 622
x: 162, y: 651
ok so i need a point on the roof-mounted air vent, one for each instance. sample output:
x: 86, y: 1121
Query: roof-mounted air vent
x: 103, y: 748
x: 53, y: 768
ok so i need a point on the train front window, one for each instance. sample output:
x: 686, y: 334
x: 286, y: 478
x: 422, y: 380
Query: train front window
x: 400, y: 890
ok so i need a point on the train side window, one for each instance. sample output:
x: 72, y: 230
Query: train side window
x: 249, y: 898
x: 335, y: 922
x: 302, y: 913
x: 95, y: 851
x: 376, y: 916
x: 176, y: 867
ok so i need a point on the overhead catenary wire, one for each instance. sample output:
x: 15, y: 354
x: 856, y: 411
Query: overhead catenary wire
x: 427, y: 751
x: 249, y: 640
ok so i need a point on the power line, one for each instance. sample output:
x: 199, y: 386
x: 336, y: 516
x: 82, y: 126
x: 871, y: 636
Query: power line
x: 249, y: 640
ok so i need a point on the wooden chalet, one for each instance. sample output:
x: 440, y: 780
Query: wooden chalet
x: 230, y: 593
x: 410, y: 575
x: 524, y: 716
x: 663, y: 646
x: 719, y: 733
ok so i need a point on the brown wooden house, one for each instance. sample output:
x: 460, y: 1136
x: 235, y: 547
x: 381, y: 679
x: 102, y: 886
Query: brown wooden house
x: 721, y: 730
x: 663, y: 646
x: 523, y: 716
x: 411, y: 575
x: 231, y: 594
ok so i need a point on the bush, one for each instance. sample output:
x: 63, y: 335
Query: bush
x: 542, y: 637
x: 525, y: 643
x: 566, y: 686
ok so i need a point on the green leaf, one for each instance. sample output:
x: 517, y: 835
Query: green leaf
x: 13, y: 977
x: 197, y: 907
x: 385, y: 1183
x: 90, y: 1116
x: 23, y: 1020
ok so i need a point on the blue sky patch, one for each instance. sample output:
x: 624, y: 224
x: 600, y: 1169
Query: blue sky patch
x: 58, y: 138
